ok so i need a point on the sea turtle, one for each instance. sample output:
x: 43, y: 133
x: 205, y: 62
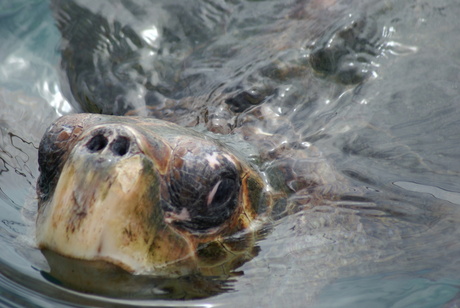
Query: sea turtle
x: 147, y: 195
x: 160, y: 198
x: 154, y: 198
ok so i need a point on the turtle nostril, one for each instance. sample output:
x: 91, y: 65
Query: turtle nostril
x: 120, y: 146
x: 97, y: 143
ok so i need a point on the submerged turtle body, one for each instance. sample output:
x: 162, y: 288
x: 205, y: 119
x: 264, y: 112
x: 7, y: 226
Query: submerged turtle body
x: 153, y: 197
x: 146, y: 195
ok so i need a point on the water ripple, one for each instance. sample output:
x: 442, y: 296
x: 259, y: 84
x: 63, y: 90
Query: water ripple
x: 439, y: 193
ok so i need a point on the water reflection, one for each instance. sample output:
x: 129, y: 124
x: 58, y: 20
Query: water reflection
x: 373, y: 86
x: 453, y: 197
x: 405, y: 291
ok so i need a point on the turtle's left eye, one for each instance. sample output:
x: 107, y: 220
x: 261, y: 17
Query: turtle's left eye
x: 203, y: 191
x: 221, y: 193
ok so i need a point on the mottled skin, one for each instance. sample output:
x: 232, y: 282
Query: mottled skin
x: 146, y: 195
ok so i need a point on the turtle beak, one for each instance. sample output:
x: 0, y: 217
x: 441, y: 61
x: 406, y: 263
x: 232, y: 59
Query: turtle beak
x: 105, y: 205
x: 102, y: 191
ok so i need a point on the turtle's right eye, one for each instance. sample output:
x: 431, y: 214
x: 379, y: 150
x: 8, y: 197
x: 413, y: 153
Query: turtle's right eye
x: 54, y: 147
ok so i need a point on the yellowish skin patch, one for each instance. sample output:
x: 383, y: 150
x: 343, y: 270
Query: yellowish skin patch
x: 111, y: 212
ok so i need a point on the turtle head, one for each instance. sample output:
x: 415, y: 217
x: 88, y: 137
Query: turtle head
x: 146, y: 195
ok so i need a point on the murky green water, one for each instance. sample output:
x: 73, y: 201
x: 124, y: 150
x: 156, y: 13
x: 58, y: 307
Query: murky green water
x: 374, y: 85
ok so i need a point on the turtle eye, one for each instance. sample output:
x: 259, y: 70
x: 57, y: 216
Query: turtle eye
x: 203, y: 191
x: 221, y: 193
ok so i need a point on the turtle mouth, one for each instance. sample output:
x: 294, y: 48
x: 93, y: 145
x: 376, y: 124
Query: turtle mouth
x: 103, y: 205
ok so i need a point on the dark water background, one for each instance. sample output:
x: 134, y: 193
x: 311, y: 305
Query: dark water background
x: 373, y: 84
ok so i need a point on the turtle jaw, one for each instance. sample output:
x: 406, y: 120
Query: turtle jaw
x: 105, y: 206
x: 105, y: 199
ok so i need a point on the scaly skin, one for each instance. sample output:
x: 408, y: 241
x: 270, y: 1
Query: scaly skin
x: 146, y: 195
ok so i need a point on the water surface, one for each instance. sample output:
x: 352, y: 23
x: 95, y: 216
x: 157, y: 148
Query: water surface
x: 373, y: 85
